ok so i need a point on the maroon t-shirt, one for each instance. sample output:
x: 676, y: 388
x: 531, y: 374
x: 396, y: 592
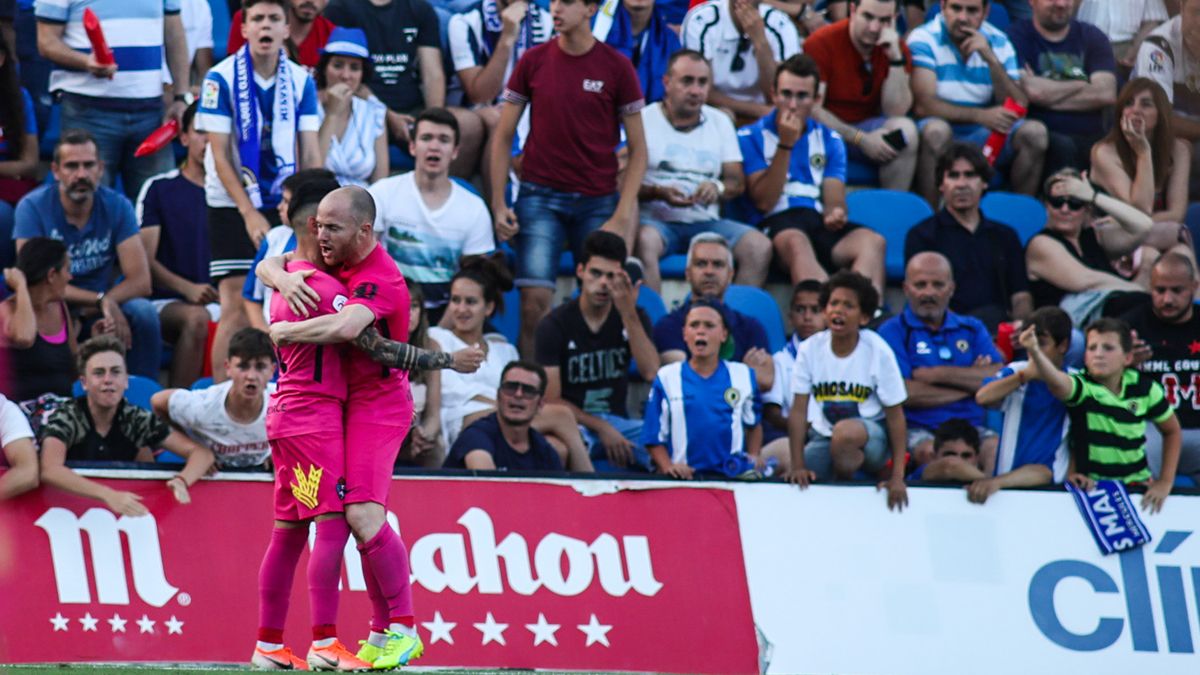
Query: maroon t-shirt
x: 576, y: 107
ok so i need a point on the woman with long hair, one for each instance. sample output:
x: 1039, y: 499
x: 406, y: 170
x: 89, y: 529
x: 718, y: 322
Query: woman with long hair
x: 353, y: 134
x: 476, y: 293
x: 37, y: 329
x: 1142, y: 163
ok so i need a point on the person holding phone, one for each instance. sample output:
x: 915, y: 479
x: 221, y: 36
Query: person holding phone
x: 868, y: 101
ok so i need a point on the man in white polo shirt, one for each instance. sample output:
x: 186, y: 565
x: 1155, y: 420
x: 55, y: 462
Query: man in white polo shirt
x: 743, y: 40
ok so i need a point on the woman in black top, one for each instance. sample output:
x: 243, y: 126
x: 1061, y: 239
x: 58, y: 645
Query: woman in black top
x: 1073, y: 254
x: 38, y: 330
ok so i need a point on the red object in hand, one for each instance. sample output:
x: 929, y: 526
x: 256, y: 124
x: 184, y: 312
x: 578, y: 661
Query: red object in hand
x: 158, y: 139
x: 995, y: 142
x: 1004, y: 340
x: 100, y: 48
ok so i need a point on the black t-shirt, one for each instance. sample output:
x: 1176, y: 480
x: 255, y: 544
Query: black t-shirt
x: 394, y: 32
x: 485, y: 434
x: 988, y: 264
x: 1091, y: 254
x: 593, y: 367
x: 1174, y: 360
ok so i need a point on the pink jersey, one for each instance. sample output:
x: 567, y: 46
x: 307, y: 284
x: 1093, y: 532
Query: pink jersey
x: 312, y: 378
x: 376, y: 283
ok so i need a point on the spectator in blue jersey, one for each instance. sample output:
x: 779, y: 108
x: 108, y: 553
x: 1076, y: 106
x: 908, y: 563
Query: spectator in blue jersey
x: 796, y: 182
x: 1109, y: 405
x: 171, y: 212
x: 256, y: 296
x: 955, y: 454
x: 744, y: 40
x: 1033, y: 440
x: 259, y: 110
x: 506, y: 440
x: 714, y: 428
x: 709, y: 271
x: 944, y: 357
x: 119, y: 104
x: 807, y: 318
x: 100, y: 230
x: 846, y: 396
x: 963, y: 70
x: 1070, y: 78
x: 654, y: 41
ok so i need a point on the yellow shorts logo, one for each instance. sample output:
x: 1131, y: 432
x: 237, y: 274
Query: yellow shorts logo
x: 305, y: 487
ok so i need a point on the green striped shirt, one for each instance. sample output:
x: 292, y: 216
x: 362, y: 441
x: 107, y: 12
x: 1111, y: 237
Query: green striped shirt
x: 1108, y: 432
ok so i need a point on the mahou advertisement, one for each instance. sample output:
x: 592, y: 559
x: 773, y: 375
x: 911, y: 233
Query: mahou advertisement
x: 505, y: 574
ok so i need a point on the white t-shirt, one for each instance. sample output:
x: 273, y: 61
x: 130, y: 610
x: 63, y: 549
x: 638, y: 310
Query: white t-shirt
x: 708, y: 28
x: 459, y: 388
x: 685, y: 159
x: 1164, y: 59
x: 425, y: 243
x: 860, y: 385
x: 202, y: 415
x: 780, y: 393
x: 13, y: 424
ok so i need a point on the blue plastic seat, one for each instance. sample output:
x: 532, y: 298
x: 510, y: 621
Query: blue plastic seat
x: 508, y: 322
x: 672, y: 266
x: 1022, y: 213
x: 652, y: 303
x: 139, y: 393
x: 891, y: 214
x: 759, y: 304
x: 202, y: 383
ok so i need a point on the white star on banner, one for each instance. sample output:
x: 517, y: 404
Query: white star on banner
x: 174, y: 625
x: 60, y: 622
x: 88, y: 622
x: 543, y: 631
x: 146, y: 624
x: 117, y: 623
x: 595, y: 632
x: 492, y: 631
x: 439, y: 629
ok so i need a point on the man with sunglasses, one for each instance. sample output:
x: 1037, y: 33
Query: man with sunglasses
x: 505, y: 440
x: 944, y: 357
x: 743, y: 40
x: 868, y: 100
x: 986, y: 256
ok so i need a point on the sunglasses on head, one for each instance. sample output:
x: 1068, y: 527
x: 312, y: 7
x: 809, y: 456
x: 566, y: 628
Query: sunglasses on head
x: 1071, y: 202
x: 515, y: 388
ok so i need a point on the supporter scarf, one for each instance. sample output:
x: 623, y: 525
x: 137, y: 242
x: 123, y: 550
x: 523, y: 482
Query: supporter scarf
x: 248, y: 119
x: 492, y: 24
x: 1110, y: 516
x: 612, y: 26
x: 652, y: 49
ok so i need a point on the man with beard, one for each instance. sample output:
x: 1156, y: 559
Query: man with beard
x: 308, y: 31
x: 100, y: 230
x: 986, y: 256
x: 1170, y: 327
x: 1070, y: 78
x: 943, y: 356
x: 505, y: 439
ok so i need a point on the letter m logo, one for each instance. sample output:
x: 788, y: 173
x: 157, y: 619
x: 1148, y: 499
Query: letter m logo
x: 65, y: 531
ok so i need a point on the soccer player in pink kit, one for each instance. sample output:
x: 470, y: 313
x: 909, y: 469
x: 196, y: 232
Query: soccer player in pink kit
x: 379, y: 408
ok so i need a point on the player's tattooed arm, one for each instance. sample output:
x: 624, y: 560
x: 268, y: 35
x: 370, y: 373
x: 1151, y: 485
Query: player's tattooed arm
x: 404, y: 356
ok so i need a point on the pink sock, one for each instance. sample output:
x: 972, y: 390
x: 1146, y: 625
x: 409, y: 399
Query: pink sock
x: 379, y: 607
x: 387, y: 557
x: 276, y: 574
x: 325, y: 570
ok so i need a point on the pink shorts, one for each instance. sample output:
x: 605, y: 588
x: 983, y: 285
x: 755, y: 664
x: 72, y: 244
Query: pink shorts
x: 310, y: 476
x: 371, y: 451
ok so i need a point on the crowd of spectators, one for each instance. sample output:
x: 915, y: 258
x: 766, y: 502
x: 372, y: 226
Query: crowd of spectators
x: 494, y: 134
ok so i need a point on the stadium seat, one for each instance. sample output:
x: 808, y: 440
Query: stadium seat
x: 139, y: 393
x: 652, y: 303
x: 997, y: 15
x: 672, y: 266
x: 891, y: 214
x: 862, y: 173
x: 220, y: 28
x: 202, y: 383
x: 508, y: 322
x: 1022, y: 213
x: 759, y: 304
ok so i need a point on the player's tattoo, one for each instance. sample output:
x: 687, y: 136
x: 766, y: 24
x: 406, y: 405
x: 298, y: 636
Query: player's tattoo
x: 400, y: 354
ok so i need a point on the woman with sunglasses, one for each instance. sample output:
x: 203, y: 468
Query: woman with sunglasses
x: 1140, y: 161
x: 1075, y: 255
x: 476, y: 294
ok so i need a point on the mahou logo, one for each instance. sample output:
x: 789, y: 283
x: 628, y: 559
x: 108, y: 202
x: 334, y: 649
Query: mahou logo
x: 65, y: 531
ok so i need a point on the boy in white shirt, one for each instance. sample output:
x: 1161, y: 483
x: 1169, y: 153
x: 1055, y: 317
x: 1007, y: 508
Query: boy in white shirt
x: 229, y: 418
x: 804, y: 313
x: 847, y: 391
